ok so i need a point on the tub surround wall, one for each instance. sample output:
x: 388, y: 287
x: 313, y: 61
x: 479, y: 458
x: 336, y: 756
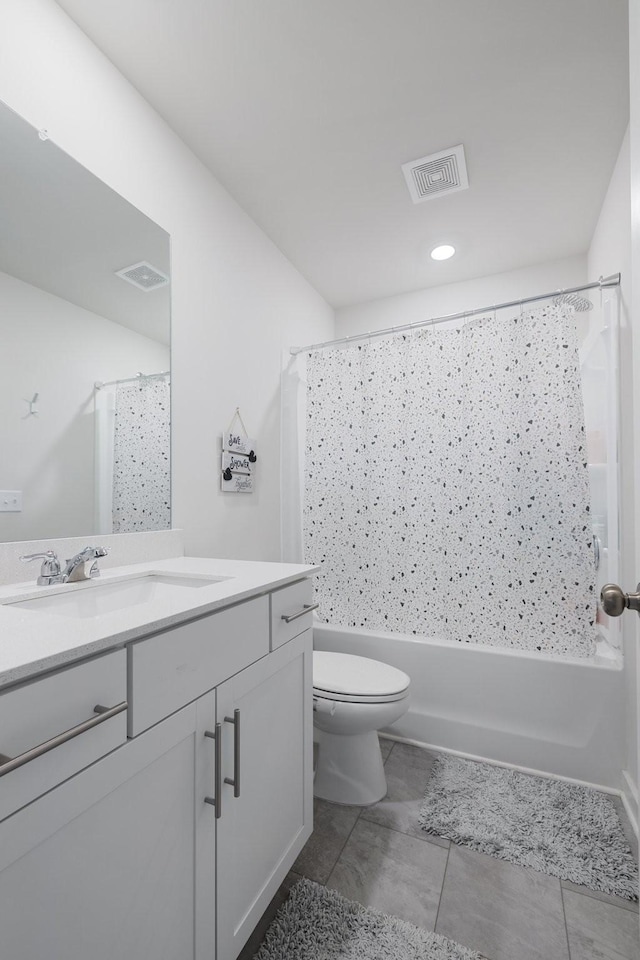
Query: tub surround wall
x: 236, y: 300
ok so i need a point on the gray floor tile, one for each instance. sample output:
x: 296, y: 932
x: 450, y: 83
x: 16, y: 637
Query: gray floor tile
x: 630, y: 905
x: 600, y: 931
x: 385, y: 746
x: 504, y: 911
x: 332, y: 824
x: 392, y: 872
x: 407, y: 771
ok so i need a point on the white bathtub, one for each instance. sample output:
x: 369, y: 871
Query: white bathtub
x: 542, y: 713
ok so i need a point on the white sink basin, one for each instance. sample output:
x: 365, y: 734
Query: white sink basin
x: 99, y: 598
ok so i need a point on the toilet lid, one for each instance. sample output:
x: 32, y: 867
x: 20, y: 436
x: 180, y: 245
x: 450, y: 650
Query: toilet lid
x: 344, y: 675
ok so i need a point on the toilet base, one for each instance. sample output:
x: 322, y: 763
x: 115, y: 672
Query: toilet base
x: 350, y: 769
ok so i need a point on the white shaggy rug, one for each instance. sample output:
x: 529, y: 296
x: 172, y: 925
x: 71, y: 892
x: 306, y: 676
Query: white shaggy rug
x: 568, y: 831
x: 319, y: 924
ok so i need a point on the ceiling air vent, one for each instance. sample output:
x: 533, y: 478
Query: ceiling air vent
x: 143, y: 276
x: 440, y: 173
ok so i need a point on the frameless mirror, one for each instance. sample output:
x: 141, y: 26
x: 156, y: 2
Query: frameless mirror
x: 84, y: 355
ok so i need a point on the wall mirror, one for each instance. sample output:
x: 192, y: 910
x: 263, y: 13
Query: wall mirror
x: 84, y: 356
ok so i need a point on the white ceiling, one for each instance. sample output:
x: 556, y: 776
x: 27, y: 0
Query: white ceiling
x: 63, y: 230
x: 306, y: 109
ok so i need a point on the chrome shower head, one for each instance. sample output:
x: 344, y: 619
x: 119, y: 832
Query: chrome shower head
x: 579, y: 304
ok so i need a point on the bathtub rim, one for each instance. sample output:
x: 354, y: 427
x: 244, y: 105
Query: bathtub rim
x: 612, y: 660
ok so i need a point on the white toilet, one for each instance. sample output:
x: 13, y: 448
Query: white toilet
x: 353, y: 697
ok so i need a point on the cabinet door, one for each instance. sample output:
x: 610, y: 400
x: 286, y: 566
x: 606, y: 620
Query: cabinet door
x: 104, y: 866
x: 261, y: 831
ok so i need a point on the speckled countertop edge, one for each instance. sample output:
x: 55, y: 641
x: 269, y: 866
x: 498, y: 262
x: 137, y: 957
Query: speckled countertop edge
x: 32, y: 643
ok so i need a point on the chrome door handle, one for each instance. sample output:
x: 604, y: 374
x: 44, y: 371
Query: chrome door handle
x: 235, y: 783
x: 308, y: 607
x: 216, y: 802
x: 7, y: 764
x: 615, y: 601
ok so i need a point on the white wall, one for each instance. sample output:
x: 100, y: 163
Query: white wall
x: 455, y: 297
x: 58, y: 350
x: 610, y: 252
x: 236, y: 300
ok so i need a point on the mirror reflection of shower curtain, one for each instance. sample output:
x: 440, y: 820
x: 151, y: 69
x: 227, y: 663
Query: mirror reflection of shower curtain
x: 133, y: 456
x: 445, y: 484
x: 105, y: 411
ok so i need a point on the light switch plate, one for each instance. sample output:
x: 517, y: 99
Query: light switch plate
x: 10, y: 501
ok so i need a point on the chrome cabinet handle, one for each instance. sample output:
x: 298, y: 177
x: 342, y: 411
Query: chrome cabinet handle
x: 216, y: 802
x: 308, y: 607
x: 7, y: 764
x: 235, y: 783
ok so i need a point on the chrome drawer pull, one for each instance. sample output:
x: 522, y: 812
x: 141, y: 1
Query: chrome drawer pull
x: 308, y: 607
x: 104, y: 713
x: 216, y: 802
x: 235, y: 783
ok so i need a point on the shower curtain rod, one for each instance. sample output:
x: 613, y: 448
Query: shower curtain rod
x: 612, y: 281
x: 99, y: 384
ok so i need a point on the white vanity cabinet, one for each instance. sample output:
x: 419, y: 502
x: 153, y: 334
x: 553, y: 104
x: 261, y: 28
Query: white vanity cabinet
x: 104, y: 866
x: 132, y: 857
x: 265, y: 824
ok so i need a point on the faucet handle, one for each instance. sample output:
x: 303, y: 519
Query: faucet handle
x: 94, y: 570
x: 49, y: 556
x: 50, y: 568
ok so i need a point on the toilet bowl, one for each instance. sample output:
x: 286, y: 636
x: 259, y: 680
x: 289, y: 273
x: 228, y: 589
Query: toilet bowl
x: 353, y: 697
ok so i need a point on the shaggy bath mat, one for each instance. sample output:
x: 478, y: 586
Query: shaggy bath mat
x: 568, y: 831
x: 319, y: 924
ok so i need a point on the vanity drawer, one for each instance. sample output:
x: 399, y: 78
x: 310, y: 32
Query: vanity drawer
x: 173, y: 668
x: 290, y: 602
x: 61, y: 703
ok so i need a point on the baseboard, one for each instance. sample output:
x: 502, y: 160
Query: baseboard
x: 537, y: 773
x: 630, y: 799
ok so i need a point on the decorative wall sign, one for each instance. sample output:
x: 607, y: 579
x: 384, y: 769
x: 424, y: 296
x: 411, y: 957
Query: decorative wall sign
x: 237, y: 483
x: 238, y: 458
x: 236, y: 462
x: 238, y: 443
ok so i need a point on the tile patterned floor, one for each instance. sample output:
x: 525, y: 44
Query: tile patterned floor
x: 381, y: 858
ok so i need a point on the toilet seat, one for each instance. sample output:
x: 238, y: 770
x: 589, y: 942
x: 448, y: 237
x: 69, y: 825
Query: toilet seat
x: 343, y: 677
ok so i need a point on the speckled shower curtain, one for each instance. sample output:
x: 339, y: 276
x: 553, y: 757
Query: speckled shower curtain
x: 141, y: 457
x: 446, y: 488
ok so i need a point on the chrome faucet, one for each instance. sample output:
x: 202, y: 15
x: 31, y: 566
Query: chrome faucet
x: 75, y: 568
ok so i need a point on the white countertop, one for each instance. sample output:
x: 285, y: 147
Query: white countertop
x: 32, y: 642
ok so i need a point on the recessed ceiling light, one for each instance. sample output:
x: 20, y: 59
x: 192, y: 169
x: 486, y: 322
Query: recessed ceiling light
x: 443, y: 252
